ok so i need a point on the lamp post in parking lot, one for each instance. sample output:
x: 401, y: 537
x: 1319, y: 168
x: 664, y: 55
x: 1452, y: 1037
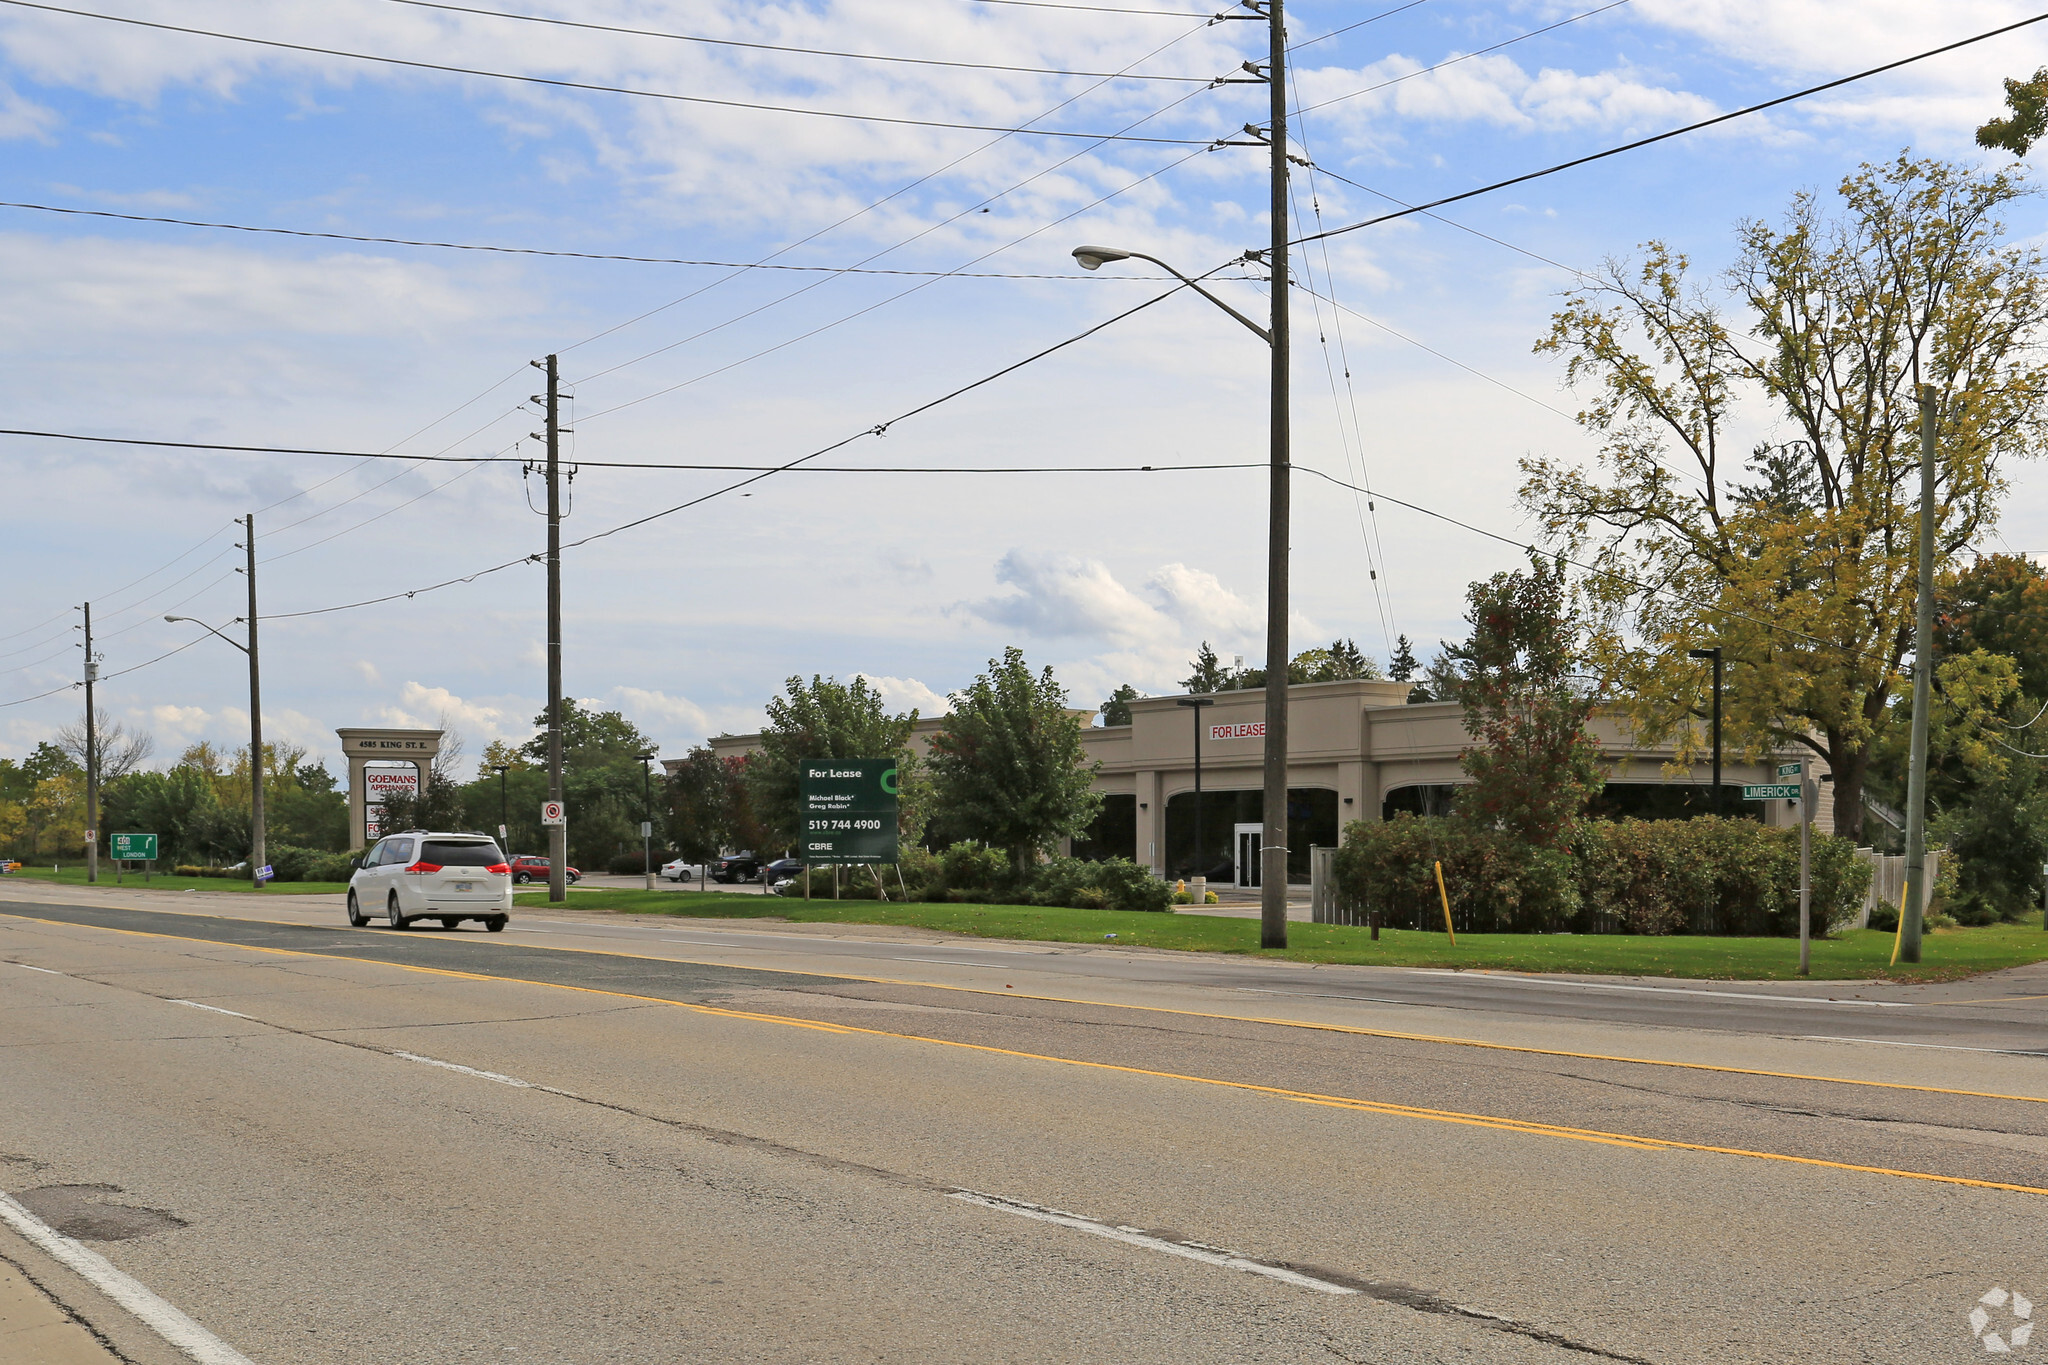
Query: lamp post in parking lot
x: 647, y: 818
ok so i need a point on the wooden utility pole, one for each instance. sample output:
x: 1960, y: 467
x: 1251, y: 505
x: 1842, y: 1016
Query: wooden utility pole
x: 92, y: 758
x: 558, y: 835
x: 1273, y: 850
x: 258, y: 859
x: 1908, y: 945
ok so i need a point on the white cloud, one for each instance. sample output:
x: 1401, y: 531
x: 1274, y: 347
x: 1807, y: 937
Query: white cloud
x: 901, y: 694
x: 21, y: 117
x: 428, y: 708
x: 1497, y: 90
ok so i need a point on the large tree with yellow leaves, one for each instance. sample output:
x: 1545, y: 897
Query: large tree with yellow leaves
x: 1758, y: 480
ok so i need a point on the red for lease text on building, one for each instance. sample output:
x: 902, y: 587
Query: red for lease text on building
x: 1251, y: 729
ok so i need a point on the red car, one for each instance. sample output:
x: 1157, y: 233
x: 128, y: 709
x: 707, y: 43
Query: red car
x: 527, y: 868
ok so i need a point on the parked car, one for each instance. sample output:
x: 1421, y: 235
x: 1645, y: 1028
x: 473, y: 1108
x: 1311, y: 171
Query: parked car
x: 680, y: 871
x: 527, y: 868
x: 781, y: 870
x: 422, y: 875
x: 736, y: 867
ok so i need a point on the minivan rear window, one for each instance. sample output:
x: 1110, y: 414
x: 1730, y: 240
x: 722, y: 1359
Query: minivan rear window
x: 468, y: 853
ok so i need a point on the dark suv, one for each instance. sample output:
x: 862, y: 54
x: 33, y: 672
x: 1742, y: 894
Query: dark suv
x: 527, y: 868
x: 736, y: 867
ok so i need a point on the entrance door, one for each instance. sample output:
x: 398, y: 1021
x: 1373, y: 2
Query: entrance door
x: 1247, y: 860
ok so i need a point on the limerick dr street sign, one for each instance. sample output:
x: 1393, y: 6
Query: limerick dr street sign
x: 1770, y: 792
x: 849, y: 811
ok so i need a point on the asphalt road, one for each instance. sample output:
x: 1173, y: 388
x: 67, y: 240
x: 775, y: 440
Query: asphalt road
x: 584, y: 1140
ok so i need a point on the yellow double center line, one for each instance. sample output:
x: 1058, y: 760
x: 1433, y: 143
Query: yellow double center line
x: 1529, y: 1127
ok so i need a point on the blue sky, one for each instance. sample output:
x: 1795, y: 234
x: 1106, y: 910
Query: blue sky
x: 690, y: 622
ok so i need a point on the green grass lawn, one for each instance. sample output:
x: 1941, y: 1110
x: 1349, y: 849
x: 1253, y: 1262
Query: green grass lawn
x: 163, y: 881
x: 1856, y: 955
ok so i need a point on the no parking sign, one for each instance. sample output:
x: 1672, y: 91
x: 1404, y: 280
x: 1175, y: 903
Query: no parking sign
x: 553, y: 813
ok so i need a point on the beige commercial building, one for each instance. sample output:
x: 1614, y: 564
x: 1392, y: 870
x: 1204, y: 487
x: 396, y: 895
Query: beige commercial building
x: 1356, y: 751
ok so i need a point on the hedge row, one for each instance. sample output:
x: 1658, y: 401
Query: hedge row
x: 1701, y: 876
x: 288, y: 862
x: 969, y: 873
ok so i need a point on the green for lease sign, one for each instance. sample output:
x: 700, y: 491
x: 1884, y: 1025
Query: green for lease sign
x: 132, y: 848
x: 848, y: 809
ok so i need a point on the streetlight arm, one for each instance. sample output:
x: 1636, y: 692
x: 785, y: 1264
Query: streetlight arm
x: 1191, y: 283
x: 209, y: 630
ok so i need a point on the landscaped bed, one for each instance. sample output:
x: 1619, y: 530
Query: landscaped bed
x: 1857, y: 954
x: 166, y: 881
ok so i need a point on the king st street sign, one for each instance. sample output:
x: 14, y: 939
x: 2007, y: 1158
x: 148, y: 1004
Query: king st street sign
x: 849, y: 811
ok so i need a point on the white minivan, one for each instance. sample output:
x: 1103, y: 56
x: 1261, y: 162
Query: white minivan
x: 423, y: 875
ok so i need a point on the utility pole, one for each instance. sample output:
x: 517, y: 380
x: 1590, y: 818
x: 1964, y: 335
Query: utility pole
x: 92, y: 758
x: 558, y: 835
x: 1273, y: 850
x: 1908, y: 948
x: 258, y: 860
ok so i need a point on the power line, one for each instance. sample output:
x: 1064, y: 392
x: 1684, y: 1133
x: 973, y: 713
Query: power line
x: 645, y: 464
x: 589, y: 86
x: 519, y: 250
x: 1622, y: 578
x: 1674, y: 132
x: 777, y: 47
x: 1461, y: 57
x: 1320, y: 37
x: 880, y: 429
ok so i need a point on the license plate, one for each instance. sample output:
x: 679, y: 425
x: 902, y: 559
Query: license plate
x: 465, y: 886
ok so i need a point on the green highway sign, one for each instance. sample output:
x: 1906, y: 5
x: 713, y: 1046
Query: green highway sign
x: 848, y: 807
x: 133, y: 848
x: 1770, y: 792
x: 1791, y: 769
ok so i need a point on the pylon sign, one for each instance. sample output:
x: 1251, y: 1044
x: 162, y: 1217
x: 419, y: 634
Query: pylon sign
x: 848, y: 809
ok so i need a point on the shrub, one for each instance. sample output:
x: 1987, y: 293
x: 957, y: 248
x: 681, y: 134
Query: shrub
x: 292, y: 863
x: 630, y: 864
x: 1701, y: 876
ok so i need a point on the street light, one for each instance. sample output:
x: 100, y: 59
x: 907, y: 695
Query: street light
x: 1273, y: 841
x: 1197, y: 703
x: 647, y: 817
x: 256, y: 841
x: 504, y: 810
x: 1715, y: 655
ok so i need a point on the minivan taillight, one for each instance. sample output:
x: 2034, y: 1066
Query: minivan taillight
x: 502, y: 869
x: 421, y: 869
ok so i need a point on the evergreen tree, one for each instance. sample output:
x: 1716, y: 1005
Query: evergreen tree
x: 1117, y: 710
x: 1209, y: 674
x: 1401, y: 668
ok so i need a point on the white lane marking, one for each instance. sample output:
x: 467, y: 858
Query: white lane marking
x: 1133, y: 1237
x: 465, y: 1070
x: 1326, y: 995
x: 1942, y: 1047
x: 214, y: 1008
x: 159, y: 1316
x: 1664, y: 990
x: 44, y: 970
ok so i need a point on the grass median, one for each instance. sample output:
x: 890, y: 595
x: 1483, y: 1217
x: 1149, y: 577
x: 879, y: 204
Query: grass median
x: 1860, y: 954
x: 164, y: 881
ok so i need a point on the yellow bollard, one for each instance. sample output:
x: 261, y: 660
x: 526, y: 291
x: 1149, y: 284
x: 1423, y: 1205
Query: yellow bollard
x: 1899, y: 934
x: 1447, y: 904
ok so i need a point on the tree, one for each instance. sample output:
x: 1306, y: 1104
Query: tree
x: 2028, y: 100
x: 1340, y: 660
x: 121, y: 752
x: 602, y: 781
x: 1535, y: 767
x: 828, y: 719
x: 1117, y: 710
x: 1402, y: 667
x: 1208, y: 674
x: 499, y: 754
x: 1009, y: 763
x: 1804, y: 573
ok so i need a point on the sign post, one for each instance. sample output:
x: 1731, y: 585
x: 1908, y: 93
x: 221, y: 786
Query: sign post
x: 849, y: 811
x: 133, y: 848
x: 1807, y: 797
